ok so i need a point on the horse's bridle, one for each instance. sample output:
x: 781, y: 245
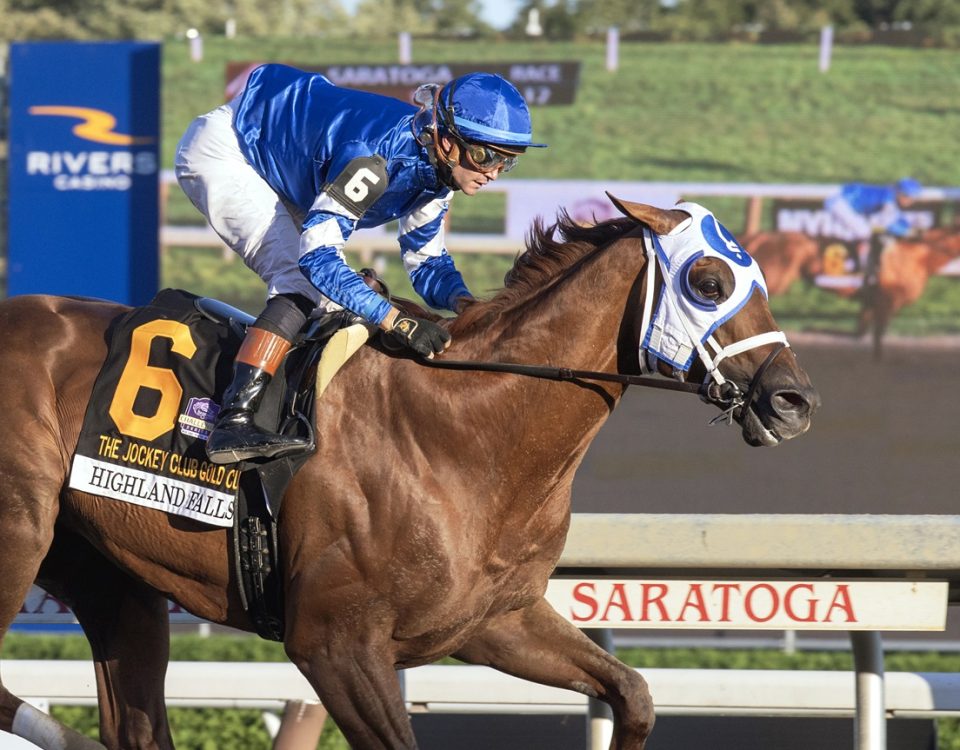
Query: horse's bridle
x: 715, y: 388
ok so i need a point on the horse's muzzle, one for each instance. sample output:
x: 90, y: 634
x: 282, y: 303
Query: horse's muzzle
x: 778, y: 414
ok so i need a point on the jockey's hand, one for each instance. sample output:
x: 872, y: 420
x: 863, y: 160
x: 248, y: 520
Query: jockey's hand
x: 462, y: 302
x: 425, y: 337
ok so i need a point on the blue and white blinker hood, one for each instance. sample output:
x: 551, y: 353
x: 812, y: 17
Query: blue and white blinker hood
x: 683, y: 323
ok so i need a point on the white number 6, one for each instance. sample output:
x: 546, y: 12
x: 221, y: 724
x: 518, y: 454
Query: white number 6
x: 356, y: 189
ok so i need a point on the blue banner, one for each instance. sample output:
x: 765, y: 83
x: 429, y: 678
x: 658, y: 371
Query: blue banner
x: 84, y: 160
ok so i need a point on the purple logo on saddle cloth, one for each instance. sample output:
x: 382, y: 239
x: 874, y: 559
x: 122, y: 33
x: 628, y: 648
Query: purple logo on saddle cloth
x: 197, y: 420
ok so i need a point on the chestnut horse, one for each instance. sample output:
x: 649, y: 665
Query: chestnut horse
x: 905, y: 268
x: 427, y: 523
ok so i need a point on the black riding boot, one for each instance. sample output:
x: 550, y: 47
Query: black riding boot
x: 235, y: 436
x: 871, y: 270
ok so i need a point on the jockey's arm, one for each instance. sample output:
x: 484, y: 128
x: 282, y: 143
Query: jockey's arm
x: 432, y: 272
x: 321, y: 260
x: 434, y: 277
x: 331, y: 220
x: 328, y: 271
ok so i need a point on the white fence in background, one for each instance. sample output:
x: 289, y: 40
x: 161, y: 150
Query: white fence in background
x: 748, y: 550
x: 584, y: 200
x: 467, y: 689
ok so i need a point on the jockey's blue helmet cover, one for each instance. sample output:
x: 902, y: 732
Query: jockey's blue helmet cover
x: 488, y: 109
x: 909, y: 187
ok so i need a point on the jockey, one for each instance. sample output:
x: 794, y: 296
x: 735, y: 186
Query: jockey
x: 874, y: 212
x: 863, y: 209
x: 292, y: 166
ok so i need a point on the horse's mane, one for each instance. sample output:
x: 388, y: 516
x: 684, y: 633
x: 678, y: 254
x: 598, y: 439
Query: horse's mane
x: 551, y: 251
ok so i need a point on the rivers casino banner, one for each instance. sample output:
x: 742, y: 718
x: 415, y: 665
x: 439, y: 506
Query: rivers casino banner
x: 84, y: 155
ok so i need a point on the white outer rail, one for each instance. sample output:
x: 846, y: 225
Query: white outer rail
x: 468, y: 689
x: 926, y: 544
x: 370, y: 242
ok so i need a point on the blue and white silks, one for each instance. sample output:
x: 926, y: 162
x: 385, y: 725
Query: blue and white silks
x: 300, y: 132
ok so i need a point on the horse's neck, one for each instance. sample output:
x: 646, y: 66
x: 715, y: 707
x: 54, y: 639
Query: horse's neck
x: 544, y: 427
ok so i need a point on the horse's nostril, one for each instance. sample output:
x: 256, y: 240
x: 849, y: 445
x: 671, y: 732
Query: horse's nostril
x: 795, y: 403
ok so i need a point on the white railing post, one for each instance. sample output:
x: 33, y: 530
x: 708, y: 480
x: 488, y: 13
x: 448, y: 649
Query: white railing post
x: 599, y: 714
x: 870, y: 720
x: 301, y: 726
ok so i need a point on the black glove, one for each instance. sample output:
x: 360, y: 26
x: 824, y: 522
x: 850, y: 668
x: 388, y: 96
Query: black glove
x: 423, y: 336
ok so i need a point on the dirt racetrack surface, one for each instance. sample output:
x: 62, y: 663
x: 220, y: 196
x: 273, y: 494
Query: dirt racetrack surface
x: 885, y: 440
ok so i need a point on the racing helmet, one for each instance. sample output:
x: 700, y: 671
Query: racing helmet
x: 485, y: 108
x: 909, y: 187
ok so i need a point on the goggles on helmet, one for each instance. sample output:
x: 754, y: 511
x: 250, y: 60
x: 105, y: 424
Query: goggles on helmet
x: 486, y: 158
x: 433, y: 116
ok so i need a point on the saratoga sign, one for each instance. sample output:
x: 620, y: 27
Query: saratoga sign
x: 818, y: 604
x: 542, y: 83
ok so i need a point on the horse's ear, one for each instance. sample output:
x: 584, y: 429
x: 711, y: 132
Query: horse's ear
x: 661, y: 221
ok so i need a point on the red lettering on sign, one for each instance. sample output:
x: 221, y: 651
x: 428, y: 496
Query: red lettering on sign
x: 841, y: 601
x: 618, y: 599
x: 811, y: 615
x: 695, y: 601
x: 657, y: 600
x: 725, y: 589
x: 748, y: 602
x: 584, y: 594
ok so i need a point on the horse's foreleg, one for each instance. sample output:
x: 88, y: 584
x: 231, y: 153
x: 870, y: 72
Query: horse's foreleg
x: 883, y: 313
x: 127, y: 626
x: 28, y: 508
x: 362, y: 695
x: 358, y: 685
x: 537, y: 644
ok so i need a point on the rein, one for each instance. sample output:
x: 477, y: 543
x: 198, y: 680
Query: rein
x: 726, y: 395
x: 547, y: 372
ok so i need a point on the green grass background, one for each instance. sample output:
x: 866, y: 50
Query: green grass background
x: 671, y: 112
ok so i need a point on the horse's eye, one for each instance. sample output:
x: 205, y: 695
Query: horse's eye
x: 709, y: 288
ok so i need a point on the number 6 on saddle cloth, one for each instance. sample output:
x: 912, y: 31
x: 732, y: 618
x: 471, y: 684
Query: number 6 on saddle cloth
x: 156, y: 398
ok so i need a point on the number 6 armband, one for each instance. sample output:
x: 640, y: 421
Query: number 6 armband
x: 360, y: 184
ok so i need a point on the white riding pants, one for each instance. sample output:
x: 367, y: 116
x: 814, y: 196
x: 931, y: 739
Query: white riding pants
x: 239, y: 204
x: 847, y: 223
